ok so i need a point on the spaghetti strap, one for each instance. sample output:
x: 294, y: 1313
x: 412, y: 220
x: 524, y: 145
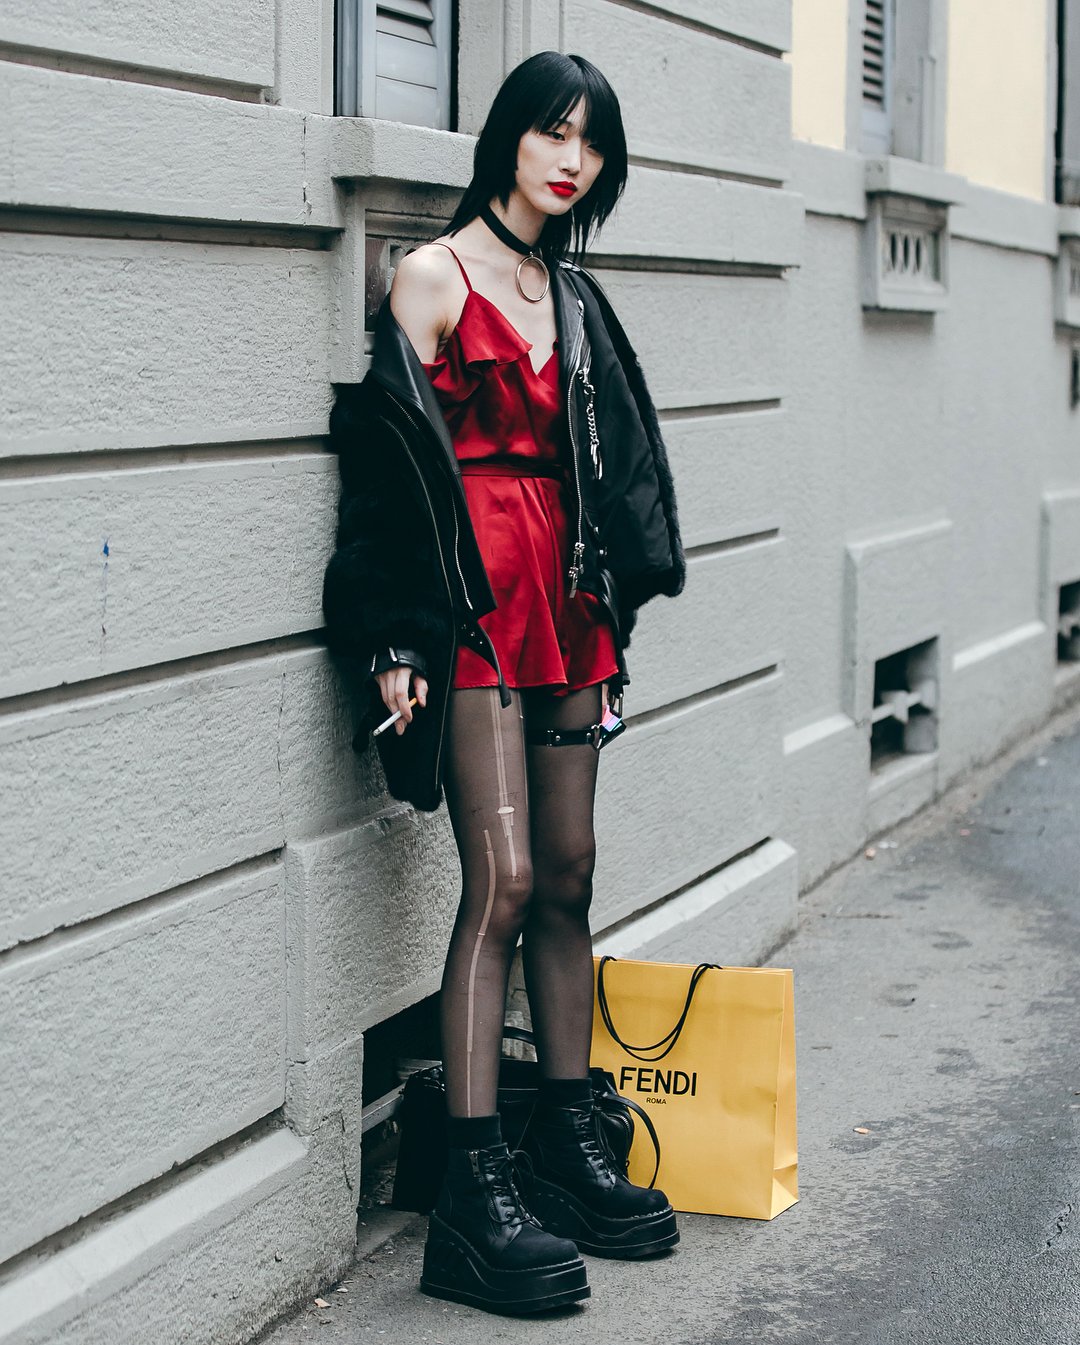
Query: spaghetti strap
x: 456, y: 258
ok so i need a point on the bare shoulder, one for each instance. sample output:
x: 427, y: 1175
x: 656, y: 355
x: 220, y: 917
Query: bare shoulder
x: 422, y: 296
x: 428, y: 270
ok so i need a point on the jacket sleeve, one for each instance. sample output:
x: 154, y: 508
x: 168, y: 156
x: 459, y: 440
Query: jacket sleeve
x: 379, y: 592
x: 392, y: 657
x: 666, y: 572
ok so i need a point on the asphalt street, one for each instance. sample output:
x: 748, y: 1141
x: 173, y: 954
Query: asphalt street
x: 936, y: 998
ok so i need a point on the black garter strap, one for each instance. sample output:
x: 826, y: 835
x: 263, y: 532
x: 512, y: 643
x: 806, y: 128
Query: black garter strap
x: 589, y: 737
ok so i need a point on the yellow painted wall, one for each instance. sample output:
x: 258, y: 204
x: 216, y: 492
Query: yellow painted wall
x: 818, y: 59
x: 997, y: 130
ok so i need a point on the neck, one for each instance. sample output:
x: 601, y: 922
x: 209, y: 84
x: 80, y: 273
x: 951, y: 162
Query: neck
x: 520, y: 218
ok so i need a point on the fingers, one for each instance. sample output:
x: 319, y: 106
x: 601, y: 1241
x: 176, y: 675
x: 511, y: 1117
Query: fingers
x: 401, y: 699
x: 402, y: 703
x: 394, y: 689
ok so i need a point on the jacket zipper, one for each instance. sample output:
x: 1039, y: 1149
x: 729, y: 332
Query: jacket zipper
x: 457, y: 562
x: 574, y: 572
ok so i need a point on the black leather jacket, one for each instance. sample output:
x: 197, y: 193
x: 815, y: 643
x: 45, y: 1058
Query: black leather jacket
x: 406, y: 583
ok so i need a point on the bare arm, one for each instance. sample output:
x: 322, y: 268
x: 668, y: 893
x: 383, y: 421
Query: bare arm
x: 420, y: 299
x: 423, y: 298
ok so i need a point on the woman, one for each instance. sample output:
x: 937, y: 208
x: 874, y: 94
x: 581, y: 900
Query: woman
x: 506, y: 507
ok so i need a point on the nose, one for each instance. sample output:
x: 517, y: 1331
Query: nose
x: 570, y: 163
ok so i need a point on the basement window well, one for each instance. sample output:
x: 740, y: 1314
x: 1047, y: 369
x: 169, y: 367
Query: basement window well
x: 393, y: 1049
x: 1068, y: 628
x: 904, y: 718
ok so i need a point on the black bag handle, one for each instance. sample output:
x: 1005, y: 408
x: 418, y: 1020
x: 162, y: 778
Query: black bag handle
x: 640, y: 1111
x: 523, y: 1034
x: 669, y: 1039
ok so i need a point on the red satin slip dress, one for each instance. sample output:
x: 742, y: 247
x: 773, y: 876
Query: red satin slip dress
x: 508, y: 427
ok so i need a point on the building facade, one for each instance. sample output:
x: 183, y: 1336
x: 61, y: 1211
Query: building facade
x: 849, y: 259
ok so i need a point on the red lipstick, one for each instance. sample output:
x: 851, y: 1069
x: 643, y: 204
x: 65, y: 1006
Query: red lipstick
x: 562, y: 188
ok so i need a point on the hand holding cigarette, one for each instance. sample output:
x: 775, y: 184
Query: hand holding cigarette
x: 392, y: 720
x: 401, y: 688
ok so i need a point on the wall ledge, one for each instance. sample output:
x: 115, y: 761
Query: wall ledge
x: 366, y: 148
x: 833, y: 182
x: 907, y: 177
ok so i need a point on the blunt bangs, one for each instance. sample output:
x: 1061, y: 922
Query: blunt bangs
x: 602, y: 122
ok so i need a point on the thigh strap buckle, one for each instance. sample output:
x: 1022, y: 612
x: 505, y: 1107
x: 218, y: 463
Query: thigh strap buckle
x: 589, y: 737
x: 596, y: 735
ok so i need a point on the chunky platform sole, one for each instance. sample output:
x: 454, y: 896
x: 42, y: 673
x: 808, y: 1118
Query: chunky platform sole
x: 625, y: 1239
x: 454, y: 1270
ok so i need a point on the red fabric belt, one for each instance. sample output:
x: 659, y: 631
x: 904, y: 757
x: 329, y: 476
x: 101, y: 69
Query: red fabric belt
x: 513, y: 467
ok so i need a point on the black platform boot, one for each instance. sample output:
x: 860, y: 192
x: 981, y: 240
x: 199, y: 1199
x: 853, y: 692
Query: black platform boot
x: 486, y: 1249
x: 573, y: 1189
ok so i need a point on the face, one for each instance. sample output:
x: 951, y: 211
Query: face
x: 549, y: 159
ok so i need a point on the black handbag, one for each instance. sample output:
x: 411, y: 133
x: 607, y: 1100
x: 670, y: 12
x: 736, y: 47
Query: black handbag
x: 421, y: 1119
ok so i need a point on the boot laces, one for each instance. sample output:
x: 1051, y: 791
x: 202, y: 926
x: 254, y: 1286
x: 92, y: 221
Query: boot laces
x: 507, y: 1197
x: 593, y: 1144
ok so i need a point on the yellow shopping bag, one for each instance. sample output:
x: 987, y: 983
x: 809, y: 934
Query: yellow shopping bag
x: 709, y: 1051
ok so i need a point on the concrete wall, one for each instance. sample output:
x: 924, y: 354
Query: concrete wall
x: 179, y: 1156
x: 921, y: 506
x: 206, y: 899
x: 933, y: 482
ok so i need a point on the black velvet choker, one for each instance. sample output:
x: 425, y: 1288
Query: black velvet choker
x: 499, y: 229
x: 507, y: 236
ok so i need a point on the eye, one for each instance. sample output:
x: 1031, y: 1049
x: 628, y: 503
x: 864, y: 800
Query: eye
x: 557, y: 134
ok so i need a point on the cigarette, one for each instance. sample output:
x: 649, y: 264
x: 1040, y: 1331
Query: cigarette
x: 392, y: 720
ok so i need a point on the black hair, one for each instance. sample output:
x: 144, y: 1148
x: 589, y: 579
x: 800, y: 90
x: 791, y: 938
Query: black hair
x: 536, y: 95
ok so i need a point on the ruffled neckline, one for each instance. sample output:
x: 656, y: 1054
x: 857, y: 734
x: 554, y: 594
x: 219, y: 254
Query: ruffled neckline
x: 489, y: 338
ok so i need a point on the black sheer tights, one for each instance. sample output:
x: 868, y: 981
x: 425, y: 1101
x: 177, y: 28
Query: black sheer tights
x: 523, y: 819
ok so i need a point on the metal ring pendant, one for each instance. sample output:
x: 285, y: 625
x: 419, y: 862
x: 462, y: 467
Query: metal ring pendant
x: 531, y: 257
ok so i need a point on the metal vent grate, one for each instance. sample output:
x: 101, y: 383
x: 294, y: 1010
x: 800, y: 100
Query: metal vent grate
x: 873, y: 53
x: 906, y: 249
x: 910, y: 254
